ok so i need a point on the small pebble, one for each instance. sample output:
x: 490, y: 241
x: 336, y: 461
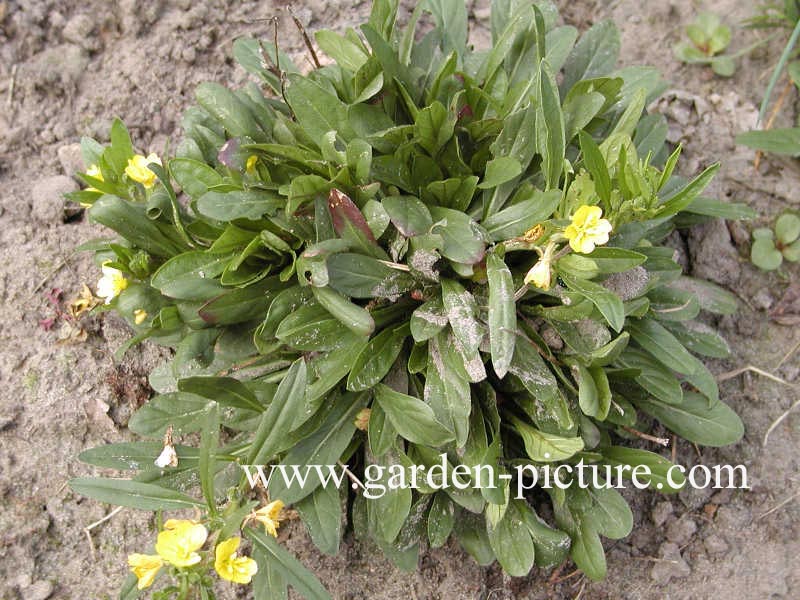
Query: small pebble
x: 47, y: 198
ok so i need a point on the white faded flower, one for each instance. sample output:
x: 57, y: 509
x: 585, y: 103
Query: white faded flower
x: 111, y: 283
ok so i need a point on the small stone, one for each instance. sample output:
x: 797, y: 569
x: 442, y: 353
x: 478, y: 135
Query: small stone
x: 40, y: 590
x: 681, y: 531
x: 763, y: 299
x: 671, y: 566
x: 722, y: 497
x: 71, y: 160
x: 78, y: 30
x: 189, y: 54
x: 47, y: 198
x: 662, y: 511
x: 714, y: 544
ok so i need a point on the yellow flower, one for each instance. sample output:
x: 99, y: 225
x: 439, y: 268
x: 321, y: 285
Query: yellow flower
x: 111, y: 283
x: 179, y: 542
x: 94, y: 171
x: 145, y: 567
x: 138, y: 171
x: 250, y: 166
x: 540, y: 273
x: 269, y: 516
x: 139, y: 315
x: 587, y: 229
x: 239, y: 569
x: 362, y: 419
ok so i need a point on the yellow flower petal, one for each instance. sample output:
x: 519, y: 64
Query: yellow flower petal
x: 587, y: 229
x: 111, y: 283
x: 250, y: 166
x: 270, y: 517
x: 539, y: 275
x: 138, y: 171
x: 230, y: 566
x: 139, y: 316
x: 180, y: 540
x: 145, y: 567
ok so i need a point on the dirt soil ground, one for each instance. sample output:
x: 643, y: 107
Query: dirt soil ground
x: 68, y: 67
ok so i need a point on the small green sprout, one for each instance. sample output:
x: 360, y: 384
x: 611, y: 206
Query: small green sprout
x: 771, y: 247
x: 708, y: 37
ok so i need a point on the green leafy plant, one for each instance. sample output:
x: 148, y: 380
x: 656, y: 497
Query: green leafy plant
x: 419, y: 251
x: 784, y: 140
x: 708, y: 38
x: 770, y: 247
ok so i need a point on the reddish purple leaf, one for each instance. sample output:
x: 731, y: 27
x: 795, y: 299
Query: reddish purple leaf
x: 344, y: 211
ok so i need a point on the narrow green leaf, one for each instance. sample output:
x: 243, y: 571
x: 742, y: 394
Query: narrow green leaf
x: 502, y: 314
x: 296, y: 575
x: 133, y: 494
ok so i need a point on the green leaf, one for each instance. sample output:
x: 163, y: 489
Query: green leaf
x: 710, y: 296
x: 661, y: 344
x: 268, y: 582
x: 185, y: 412
x: 412, y: 418
x: 312, y: 328
x: 347, y: 54
x: 428, y: 320
x: 605, y: 259
x: 226, y: 107
x: 441, y: 519
x: 550, y: 135
x: 607, y: 302
x: 434, y: 127
x: 301, y: 579
x: 227, y: 391
x: 719, y: 209
x: 658, y: 467
x: 354, y: 317
x: 323, y: 447
x: 500, y: 170
x: 546, y: 447
x: 679, y: 200
x: 227, y: 206
x: 530, y: 368
x: 518, y: 218
x: 779, y: 141
x: 594, y: 55
x: 283, y: 414
x: 209, y: 441
x: 322, y: 514
x: 462, y: 309
x: 447, y: 391
x: 377, y: 357
x: 408, y: 214
x: 787, y: 228
x: 194, y: 177
x: 133, y: 494
x: 451, y: 22
x: 654, y: 377
x: 318, y: 111
x: 463, y: 241
x: 130, y: 221
x: 134, y: 455
x: 512, y: 544
x: 696, y: 421
x: 502, y: 314
x: 360, y: 276
x: 700, y: 339
x: 381, y: 432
